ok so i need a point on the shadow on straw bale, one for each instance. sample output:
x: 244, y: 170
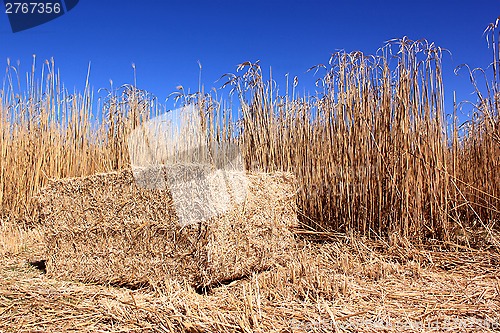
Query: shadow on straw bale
x: 105, y: 229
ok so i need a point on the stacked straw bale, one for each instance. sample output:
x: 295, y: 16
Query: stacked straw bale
x: 105, y: 229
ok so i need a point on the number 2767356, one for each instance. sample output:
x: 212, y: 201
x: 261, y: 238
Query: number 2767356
x: 32, y: 8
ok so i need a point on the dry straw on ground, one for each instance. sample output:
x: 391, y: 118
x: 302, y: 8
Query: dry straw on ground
x: 339, y: 285
x: 104, y: 229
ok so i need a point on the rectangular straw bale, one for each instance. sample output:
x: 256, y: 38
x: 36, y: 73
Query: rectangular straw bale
x: 105, y: 229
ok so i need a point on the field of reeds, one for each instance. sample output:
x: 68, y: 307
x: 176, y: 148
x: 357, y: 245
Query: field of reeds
x: 396, y: 199
x: 373, y: 150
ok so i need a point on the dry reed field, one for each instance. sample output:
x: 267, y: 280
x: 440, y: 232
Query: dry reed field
x: 398, y: 207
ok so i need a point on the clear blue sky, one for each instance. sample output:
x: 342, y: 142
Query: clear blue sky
x: 165, y: 39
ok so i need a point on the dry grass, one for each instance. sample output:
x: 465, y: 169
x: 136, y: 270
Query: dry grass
x: 342, y: 285
x: 372, y: 151
x: 15, y: 239
x: 46, y: 132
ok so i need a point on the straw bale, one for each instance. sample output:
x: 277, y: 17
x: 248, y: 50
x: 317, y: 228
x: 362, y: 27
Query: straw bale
x: 105, y: 229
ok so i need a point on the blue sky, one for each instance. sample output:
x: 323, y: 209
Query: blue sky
x: 165, y: 39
